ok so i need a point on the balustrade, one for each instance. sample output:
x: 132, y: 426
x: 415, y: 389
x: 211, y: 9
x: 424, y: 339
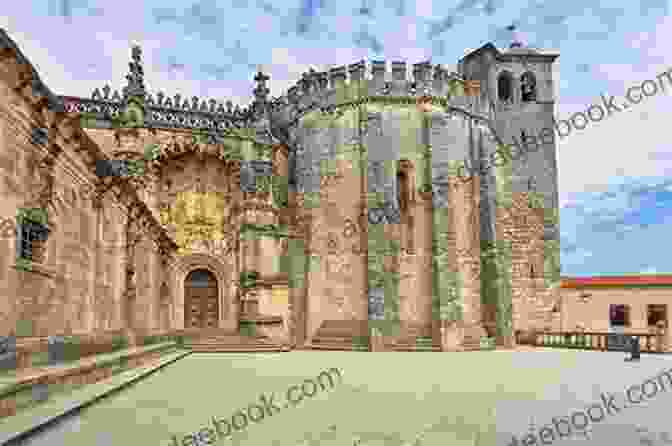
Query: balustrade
x: 649, y: 342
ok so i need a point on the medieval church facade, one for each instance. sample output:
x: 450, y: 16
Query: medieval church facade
x: 337, y: 216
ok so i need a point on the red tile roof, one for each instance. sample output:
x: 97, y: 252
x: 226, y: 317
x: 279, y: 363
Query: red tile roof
x: 617, y: 281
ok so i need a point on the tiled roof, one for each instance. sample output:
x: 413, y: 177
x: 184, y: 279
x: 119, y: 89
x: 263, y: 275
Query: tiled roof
x: 617, y: 281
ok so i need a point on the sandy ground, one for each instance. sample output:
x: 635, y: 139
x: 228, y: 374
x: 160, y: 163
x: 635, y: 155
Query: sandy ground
x: 395, y: 399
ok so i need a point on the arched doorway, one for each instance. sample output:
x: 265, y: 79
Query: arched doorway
x: 201, y: 301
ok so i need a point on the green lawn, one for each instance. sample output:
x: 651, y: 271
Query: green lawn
x: 384, y: 399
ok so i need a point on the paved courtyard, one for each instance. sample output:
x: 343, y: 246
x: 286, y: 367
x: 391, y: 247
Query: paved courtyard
x: 394, y: 399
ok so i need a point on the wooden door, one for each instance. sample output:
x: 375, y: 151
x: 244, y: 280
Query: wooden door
x: 201, y: 302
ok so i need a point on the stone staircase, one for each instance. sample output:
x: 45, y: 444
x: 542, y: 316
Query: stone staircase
x: 472, y: 338
x: 231, y: 342
x: 341, y: 335
x: 414, y: 338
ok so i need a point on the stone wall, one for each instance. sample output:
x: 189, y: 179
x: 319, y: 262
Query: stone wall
x: 48, y: 162
x: 57, y: 294
x: 533, y: 300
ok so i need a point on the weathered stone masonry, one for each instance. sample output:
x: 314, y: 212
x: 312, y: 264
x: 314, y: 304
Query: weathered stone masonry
x: 331, y: 217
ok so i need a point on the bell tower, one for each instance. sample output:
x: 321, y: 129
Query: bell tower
x: 519, y: 83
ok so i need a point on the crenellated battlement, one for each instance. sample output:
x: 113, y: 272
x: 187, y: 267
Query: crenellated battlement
x: 360, y: 81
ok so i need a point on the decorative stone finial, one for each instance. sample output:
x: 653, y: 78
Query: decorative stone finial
x: 307, y: 81
x: 293, y: 95
x: 337, y: 75
x: 261, y: 91
x: 378, y: 70
x: 357, y: 70
x: 323, y: 80
x: 399, y: 71
x: 135, y: 77
x: 422, y: 71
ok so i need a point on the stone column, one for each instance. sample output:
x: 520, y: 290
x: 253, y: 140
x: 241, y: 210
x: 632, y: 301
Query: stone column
x: 300, y: 276
x: 98, y: 254
x: 130, y: 291
x: 467, y: 228
x: 168, y: 303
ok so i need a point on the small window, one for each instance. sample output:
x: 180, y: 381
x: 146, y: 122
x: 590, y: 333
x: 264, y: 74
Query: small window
x: 528, y: 87
x: 656, y: 313
x: 619, y: 315
x: 31, y: 240
x: 505, y: 87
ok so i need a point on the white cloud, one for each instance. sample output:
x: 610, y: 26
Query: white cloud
x: 424, y: 8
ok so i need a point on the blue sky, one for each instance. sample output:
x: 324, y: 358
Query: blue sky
x: 615, y: 176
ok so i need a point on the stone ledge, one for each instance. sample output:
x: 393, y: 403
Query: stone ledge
x: 27, y: 378
x: 37, y: 268
x: 24, y: 424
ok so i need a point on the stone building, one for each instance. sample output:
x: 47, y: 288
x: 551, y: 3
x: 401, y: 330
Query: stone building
x: 616, y: 304
x: 340, y: 215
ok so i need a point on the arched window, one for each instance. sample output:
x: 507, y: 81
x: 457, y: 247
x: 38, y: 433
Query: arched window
x: 403, y: 191
x: 405, y: 182
x: 528, y: 87
x: 505, y: 87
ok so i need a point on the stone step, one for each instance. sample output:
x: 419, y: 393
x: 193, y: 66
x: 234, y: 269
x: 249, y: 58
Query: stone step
x: 245, y: 339
x: 237, y: 348
x: 231, y: 342
x: 339, y: 347
x: 415, y: 348
x: 471, y: 345
x: 332, y: 340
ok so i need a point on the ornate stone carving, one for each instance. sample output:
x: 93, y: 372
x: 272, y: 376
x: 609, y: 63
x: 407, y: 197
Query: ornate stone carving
x: 337, y: 263
x: 388, y: 214
x: 332, y: 243
x: 197, y: 216
x: 349, y: 228
x: 331, y: 180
